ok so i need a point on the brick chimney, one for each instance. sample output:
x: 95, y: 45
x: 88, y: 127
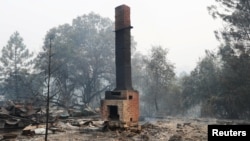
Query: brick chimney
x: 121, y: 106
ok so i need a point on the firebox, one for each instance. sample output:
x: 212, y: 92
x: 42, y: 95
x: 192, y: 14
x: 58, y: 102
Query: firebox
x: 121, y: 106
x: 113, y: 112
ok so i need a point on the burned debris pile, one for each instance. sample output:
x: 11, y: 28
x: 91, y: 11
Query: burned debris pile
x: 64, y: 125
x: 31, y: 120
x: 17, y: 115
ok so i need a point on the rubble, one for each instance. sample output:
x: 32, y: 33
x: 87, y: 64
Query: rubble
x: 9, y: 136
x: 17, y: 115
x: 152, y: 129
x: 64, y: 126
x: 31, y: 130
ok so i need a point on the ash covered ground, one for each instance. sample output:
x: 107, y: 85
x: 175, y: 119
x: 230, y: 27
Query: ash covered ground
x: 152, y: 129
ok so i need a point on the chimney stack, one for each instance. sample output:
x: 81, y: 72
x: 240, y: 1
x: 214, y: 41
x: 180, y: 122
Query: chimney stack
x: 121, y: 106
x: 122, y: 48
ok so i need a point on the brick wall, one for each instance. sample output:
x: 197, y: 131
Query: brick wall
x: 128, y: 109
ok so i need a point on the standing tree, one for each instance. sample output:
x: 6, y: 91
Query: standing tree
x: 158, y: 77
x: 235, y: 54
x: 138, y: 70
x: 82, y: 63
x: 16, y: 65
x: 202, y: 87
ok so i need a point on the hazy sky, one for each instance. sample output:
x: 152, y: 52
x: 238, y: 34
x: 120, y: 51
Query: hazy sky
x: 183, y: 26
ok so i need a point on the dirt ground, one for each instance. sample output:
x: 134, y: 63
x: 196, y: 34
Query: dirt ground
x: 153, y: 129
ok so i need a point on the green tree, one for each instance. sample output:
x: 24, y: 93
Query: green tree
x: 16, y: 65
x: 159, y: 74
x: 234, y: 52
x: 82, y: 61
x: 138, y: 70
x: 202, y: 86
x: 235, y: 14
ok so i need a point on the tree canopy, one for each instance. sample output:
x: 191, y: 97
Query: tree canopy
x: 16, y: 65
x: 83, y: 58
x: 83, y: 67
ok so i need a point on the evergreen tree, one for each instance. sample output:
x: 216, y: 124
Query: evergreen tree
x: 15, y: 67
x: 234, y: 100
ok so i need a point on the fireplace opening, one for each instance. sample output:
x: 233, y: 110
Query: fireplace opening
x: 113, y: 113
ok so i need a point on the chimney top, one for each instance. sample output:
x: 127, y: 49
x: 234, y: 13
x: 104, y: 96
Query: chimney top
x: 122, y: 17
